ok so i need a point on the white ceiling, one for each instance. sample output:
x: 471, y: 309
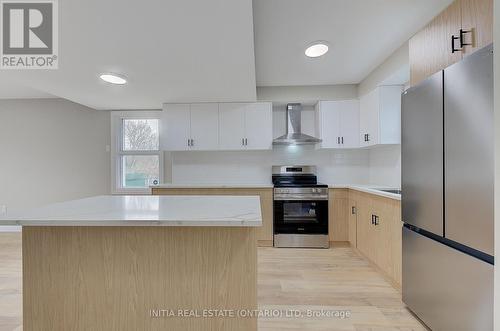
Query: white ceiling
x: 12, y: 90
x: 199, y: 50
x: 361, y: 35
x: 171, y: 51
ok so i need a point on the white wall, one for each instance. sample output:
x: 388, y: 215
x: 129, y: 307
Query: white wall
x: 306, y: 94
x: 395, y: 70
x: 52, y: 150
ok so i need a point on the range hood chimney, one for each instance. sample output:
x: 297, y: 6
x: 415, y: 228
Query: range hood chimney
x: 293, y: 135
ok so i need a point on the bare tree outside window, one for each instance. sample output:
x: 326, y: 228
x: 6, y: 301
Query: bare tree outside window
x: 140, y: 135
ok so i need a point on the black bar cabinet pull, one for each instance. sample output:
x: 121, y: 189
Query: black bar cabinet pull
x: 453, y: 49
x: 462, y: 39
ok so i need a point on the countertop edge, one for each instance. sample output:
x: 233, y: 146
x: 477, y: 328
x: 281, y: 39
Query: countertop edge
x: 211, y: 186
x: 370, y: 190
x: 58, y: 223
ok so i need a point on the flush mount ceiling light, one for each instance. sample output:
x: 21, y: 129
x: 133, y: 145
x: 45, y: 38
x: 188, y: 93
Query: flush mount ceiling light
x: 113, y: 79
x: 317, y: 49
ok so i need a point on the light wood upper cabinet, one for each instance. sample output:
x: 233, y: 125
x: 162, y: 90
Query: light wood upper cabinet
x: 380, y: 116
x: 477, y: 17
x: 431, y: 48
x: 337, y: 123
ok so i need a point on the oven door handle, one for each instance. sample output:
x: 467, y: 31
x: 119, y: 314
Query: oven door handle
x: 291, y: 197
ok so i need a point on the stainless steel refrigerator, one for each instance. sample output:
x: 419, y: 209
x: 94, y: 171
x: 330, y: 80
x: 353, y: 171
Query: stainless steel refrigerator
x: 447, y: 196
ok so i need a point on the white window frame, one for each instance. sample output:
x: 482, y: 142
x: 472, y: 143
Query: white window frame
x: 117, y: 151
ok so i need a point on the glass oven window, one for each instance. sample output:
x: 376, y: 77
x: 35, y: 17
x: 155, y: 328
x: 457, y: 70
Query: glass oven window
x: 300, y: 212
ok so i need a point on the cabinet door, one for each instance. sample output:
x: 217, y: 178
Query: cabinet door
x: 176, y: 127
x: 349, y: 124
x: 390, y: 114
x: 430, y: 49
x: 205, y: 126
x: 387, y: 234
x: 382, y: 257
x: 329, y: 123
x: 352, y: 218
x: 338, y: 217
x: 477, y: 16
x: 231, y: 126
x: 258, y: 125
x: 369, y: 118
x: 363, y: 120
x: 365, y: 229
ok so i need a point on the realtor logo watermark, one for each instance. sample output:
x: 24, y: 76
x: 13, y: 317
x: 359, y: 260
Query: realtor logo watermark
x: 29, y: 34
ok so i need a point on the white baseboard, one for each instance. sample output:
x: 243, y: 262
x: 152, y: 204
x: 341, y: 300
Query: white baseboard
x: 10, y: 228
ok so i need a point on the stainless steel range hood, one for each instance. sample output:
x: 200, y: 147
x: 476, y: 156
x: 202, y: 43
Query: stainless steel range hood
x: 293, y: 135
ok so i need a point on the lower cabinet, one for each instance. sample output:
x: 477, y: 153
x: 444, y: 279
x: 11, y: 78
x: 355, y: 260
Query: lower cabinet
x: 338, y: 227
x: 264, y: 233
x: 375, y: 230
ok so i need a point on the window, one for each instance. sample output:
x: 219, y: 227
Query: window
x: 137, y: 157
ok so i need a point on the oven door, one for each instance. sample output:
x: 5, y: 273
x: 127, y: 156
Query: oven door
x: 301, y: 217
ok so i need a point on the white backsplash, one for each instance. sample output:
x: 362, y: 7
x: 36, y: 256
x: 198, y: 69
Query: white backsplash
x: 385, y: 165
x: 334, y: 167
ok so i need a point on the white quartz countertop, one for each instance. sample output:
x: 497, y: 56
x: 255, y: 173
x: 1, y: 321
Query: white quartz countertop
x: 215, y: 186
x: 145, y: 210
x: 372, y: 189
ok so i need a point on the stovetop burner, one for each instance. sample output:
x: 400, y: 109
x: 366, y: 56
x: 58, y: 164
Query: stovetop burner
x: 295, y: 176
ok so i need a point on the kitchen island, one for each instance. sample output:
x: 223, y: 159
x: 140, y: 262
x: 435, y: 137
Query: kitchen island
x: 141, y: 263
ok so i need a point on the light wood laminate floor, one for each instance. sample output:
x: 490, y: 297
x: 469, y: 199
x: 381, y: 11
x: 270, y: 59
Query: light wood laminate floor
x: 290, y: 281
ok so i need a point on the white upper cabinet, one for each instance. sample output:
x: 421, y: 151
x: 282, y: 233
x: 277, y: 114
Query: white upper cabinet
x: 204, y: 126
x: 259, y: 125
x: 380, y: 116
x: 213, y: 126
x: 245, y: 126
x: 190, y: 127
x: 232, y: 126
x: 337, y: 123
x: 175, y: 127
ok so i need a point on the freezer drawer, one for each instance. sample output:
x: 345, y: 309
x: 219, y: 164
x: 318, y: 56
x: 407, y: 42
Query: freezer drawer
x: 469, y: 159
x: 422, y: 155
x: 446, y: 288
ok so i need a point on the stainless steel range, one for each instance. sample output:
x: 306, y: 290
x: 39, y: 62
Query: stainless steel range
x: 300, y: 208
